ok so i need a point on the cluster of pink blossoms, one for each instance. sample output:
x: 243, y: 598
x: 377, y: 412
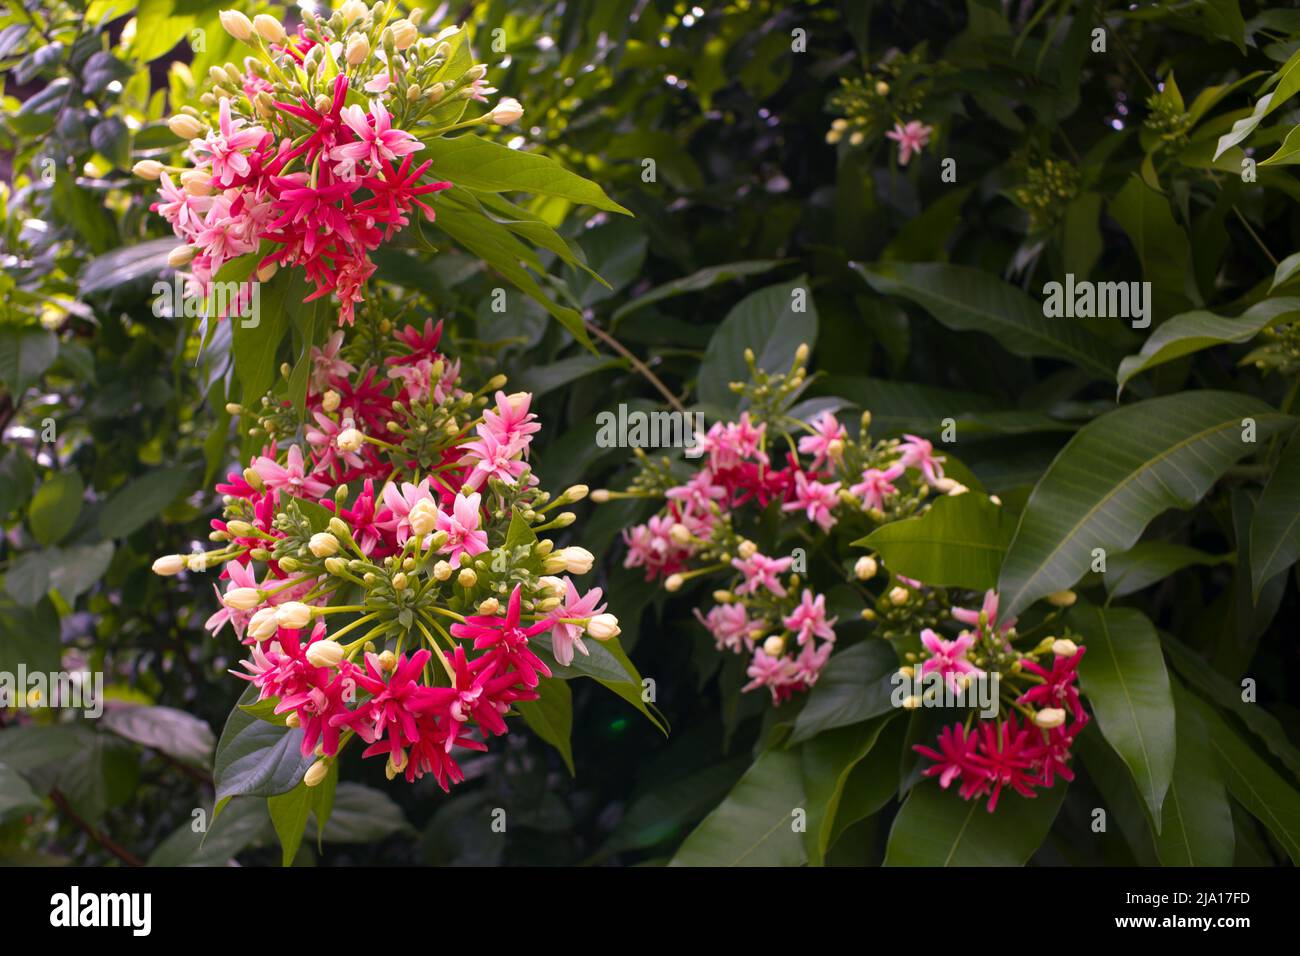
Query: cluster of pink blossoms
x: 416, y: 523
x: 767, y: 612
x: 303, y: 162
x: 1022, y: 752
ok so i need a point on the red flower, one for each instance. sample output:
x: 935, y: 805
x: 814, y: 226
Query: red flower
x: 508, y: 642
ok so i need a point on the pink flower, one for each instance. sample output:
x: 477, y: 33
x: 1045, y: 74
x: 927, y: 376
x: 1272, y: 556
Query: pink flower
x: 183, y: 211
x: 876, y: 484
x: 399, y: 502
x: 730, y: 444
x: 955, y: 758
x: 326, y: 364
x: 223, y: 147
x: 777, y: 674
x: 291, y: 476
x: 492, y: 459
x: 511, y: 423
x: 989, y: 614
x: 379, y: 83
x: 809, y: 618
x: 395, y: 703
x: 566, y: 634
x: 729, y: 624
x: 506, y: 641
x: 919, y: 454
x: 1058, y: 688
x: 1007, y: 755
x: 826, y: 429
x: 377, y: 143
x: 816, y: 499
x: 948, y: 658
x: 698, y: 493
x: 462, y: 527
x: 910, y: 139
x: 761, y: 571
x: 808, y: 665
x: 241, y: 576
x: 651, y: 546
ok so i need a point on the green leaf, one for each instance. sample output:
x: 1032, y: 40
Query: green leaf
x: 873, y: 782
x: 936, y: 827
x: 480, y: 164
x: 1193, y: 331
x: 161, y: 24
x: 698, y: 281
x: 256, y: 758
x: 1118, y: 473
x: 1123, y: 674
x: 1286, y: 269
x: 1286, y: 82
x: 242, y: 823
x: 25, y: 353
x: 289, y: 812
x: 765, y: 321
x: 1161, y: 244
x: 138, y: 502
x: 55, y: 506
x: 551, y: 717
x: 17, y: 478
x: 755, y: 824
x: 957, y: 543
x: 363, y: 814
x: 165, y: 729
x: 130, y: 264
x: 828, y: 761
x: 1275, y: 528
x: 1197, y: 828
x: 255, y: 347
x: 659, y: 815
x: 1150, y: 561
x: 607, y: 664
x: 855, y: 685
x: 1269, y: 798
x: 969, y: 299
x: 73, y: 571
x: 16, y: 794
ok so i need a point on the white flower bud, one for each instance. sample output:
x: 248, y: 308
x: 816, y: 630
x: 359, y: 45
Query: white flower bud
x: 1064, y: 647
x: 405, y: 33
x: 242, y: 599
x: 674, y: 582
x: 358, y: 49
x: 148, y: 169
x: 552, y: 585
x: 603, y: 626
x: 352, y: 11
x: 185, y: 126
x: 263, y: 625
x: 330, y: 400
x: 747, y: 549
x: 1050, y: 717
x: 169, y: 564
x: 441, y: 571
x: 294, y: 615
x: 269, y: 28
x: 323, y: 544
x: 774, y: 646
x: 577, y: 560
x: 680, y: 533
x: 349, y: 440
x: 324, y: 653
x: 898, y: 596
x: 866, y: 568
x: 423, y: 517
x: 181, y: 256
x: 467, y: 578
x: 507, y: 111
x: 236, y: 24
x: 1062, y: 598
x: 316, y: 773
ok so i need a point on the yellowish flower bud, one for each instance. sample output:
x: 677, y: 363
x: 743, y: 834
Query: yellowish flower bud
x: 324, y: 653
x: 148, y: 169
x: 865, y: 569
x: 169, y: 564
x: 323, y: 544
x: 236, y: 24
x: 269, y: 28
x: 316, y: 773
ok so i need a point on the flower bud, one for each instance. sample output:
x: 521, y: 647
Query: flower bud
x: 603, y: 626
x: 242, y: 599
x: 269, y: 28
x: 185, y: 126
x: 882, y: 88
x: 399, y: 581
x: 405, y: 34
x: 323, y: 544
x: 441, y: 571
x: 352, y: 11
x: 169, y: 564
x: 467, y: 578
x: 330, y: 401
x: 1050, y: 717
x: 945, y: 485
x: 294, y: 615
x: 577, y: 560
x: 774, y: 646
x: 865, y: 569
x: 197, y: 562
x: 507, y: 111
x: 747, y: 549
x: 349, y: 440
x: 316, y: 773
x: 240, y: 529
x: 387, y: 661
x: 1062, y: 598
x: 263, y: 625
x: 489, y: 607
x: 680, y: 534
x: 339, y: 528
x: 575, y: 493
x: 674, y: 582
x: 423, y: 517
x: 292, y: 720
x: 324, y: 653
x: 181, y: 256
x: 236, y: 24
x: 600, y: 496
x: 358, y: 49
x: 898, y: 596
x: 1064, y: 647
x: 336, y: 566
x: 148, y: 169
x: 197, y: 182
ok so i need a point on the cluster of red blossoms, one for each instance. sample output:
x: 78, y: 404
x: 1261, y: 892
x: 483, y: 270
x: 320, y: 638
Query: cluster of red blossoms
x: 450, y: 609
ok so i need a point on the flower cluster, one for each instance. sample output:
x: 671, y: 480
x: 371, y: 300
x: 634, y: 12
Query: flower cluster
x: 824, y: 481
x: 385, y: 571
x: 1028, y: 747
x: 308, y: 155
x: 885, y: 102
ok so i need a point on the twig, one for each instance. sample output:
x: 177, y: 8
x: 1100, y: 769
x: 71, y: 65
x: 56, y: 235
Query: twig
x: 1258, y: 241
x: 637, y: 364
x: 103, y: 839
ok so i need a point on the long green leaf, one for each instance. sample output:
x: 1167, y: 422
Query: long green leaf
x: 1197, y: 828
x: 958, y: 543
x: 1123, y: 674
x: 1275, y: 529
x: 1118, y: 473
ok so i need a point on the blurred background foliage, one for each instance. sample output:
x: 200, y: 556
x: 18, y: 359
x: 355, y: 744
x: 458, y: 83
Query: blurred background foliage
x: 114, y: 426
